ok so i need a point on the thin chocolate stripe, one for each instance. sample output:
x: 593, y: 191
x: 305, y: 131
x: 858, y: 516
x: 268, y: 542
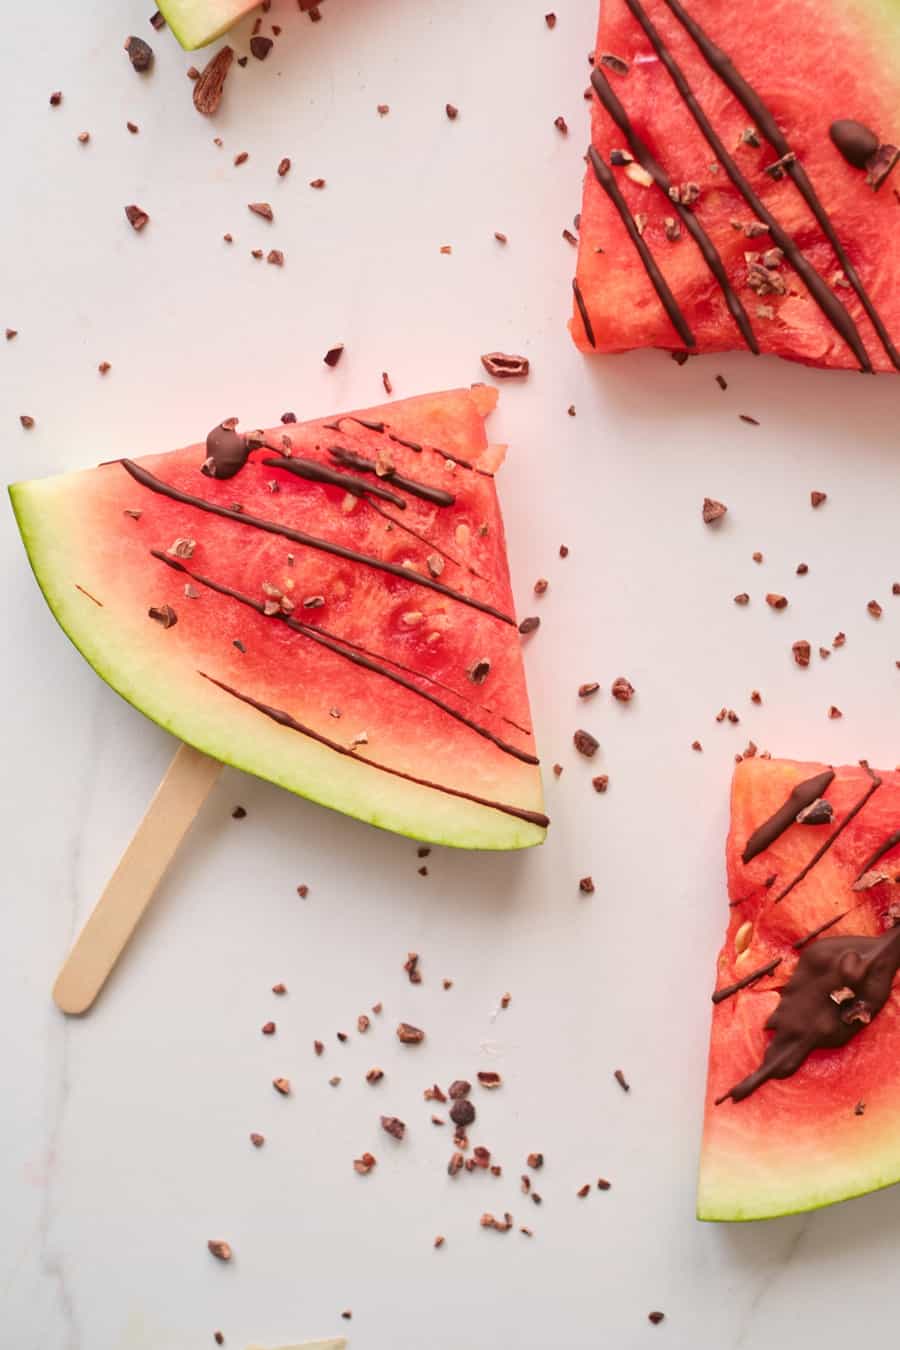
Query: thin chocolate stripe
x: 416, y: 446
x: 286, y: 720
x: 823, y: 849
x: 889, y: 843
x: 583, y: 311
x: 727, y: 990
x: 352, y: 654
x: 660, y: 285
x: 765, y: 122
x: 149, y: 480
x: 803, y: 795
x: 824, y: 297
x: 711, y: 255
x: 822, y: 928
x: 320, y: 473
x: 437, y: 496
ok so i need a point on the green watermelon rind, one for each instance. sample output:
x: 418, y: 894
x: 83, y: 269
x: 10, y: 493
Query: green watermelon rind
x: 318, y: 774
x: 740, y: 1200
x: 191, y: 21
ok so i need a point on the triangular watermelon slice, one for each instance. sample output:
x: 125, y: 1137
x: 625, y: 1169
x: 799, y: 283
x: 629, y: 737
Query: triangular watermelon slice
x: 718, y: 210
x: 326, y: 605
x: 799, y: 894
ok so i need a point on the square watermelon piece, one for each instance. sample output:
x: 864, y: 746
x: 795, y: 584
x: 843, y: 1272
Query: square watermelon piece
x: 803, y: 1088
x: 727, y: 203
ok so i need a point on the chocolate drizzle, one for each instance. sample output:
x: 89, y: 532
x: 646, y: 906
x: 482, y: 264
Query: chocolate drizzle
x: 817, y: 932
x: 820, y: 852
x: 350, y: 653
x: 583, y: 311
x: 766, y: 123
x: 729, y: 989
x: 824, y: 297
x: 803, y: 795
x: 226, y: 451
x: 320, y: 473
x: 711, y: 256
x: 437, y: 496
x: 383, y: 429
x: 838, y: 986
x: 883, y: 848
x: 854, y: 140
x: 154, y: 484
x: 607, y: 181
x: 286, y: 720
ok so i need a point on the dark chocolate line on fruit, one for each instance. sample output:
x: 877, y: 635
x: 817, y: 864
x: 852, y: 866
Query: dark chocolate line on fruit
x: 830, y: 305
x: 423, y: 539
x: 889, y: 843
x: 711, y: 255
x: 838, y: 986
x: 383, y: 429
x: 727, y: 990
x: 149, y: 480
x: 286, y: 720
x: 803, y: 795
x: 766, y: 123
x: 351, y: 460
x: 823, y: 849
x: 353, y: 654
x: 320, y: 473
x: 822, y: 928
x: 660, y: 285
x: 583, y: 311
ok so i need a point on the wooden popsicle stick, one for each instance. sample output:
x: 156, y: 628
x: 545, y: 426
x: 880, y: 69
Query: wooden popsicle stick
x: 130, y: 889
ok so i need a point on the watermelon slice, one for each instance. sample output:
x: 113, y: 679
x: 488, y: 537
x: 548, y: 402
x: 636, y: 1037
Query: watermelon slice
x: 719, y: 212
x: 326, y: 605
x: 801, y: 897
x: 197, y: 22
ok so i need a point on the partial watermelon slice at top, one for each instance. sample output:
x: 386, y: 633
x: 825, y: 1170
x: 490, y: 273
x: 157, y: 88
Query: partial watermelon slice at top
x: 353, y: 641
x: 197, y: 22
x: 810, y: 62
x: 832, y: 1129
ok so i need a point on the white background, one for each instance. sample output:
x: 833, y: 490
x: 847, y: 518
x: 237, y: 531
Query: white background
x: 123, y: 1137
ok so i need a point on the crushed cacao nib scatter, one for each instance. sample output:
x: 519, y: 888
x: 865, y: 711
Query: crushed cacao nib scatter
x: 157, y: 21
x: 434, y: 1094
x: 622, y: 1081
x: 364, y: 1164
x: 802, y: 651
x: 452, y: 111
x: 275, y: 257
x: 217, y: 1335
x: 540, y: 586
x: 140, y: 53
x: 550, y: 20
x: 335, y: 1081
x: 569, y: 237
x: 585, y: 743
x: 136, y: 217
x: 374, y: 1075
x: 656, y: 1317
x: 757, y: 556
x: 411, y: 966
x: 834, y: 713
x: 241, y: 157
x: 586, y: 885
x: 622, y: 690
x: 583, y: 1190
x: 393, y: 1126
x: 56, y: 98
x: 347, y: 1314
x: 84, y: 137
x: 600, y: 783
x: 342, y: 1037
x: 439, y: 1240
x: 238, y: 813
x: 261, y: 209
x: 742, y: 598
x: 529, y: 625
x: 27, y: 420
x: 603, y: 1184
x: 319, y: 1047
x: 209, y: 86
x: 317, y: 183
x: 776, y: 601
x: 268, y: 1028
x: 386, y: 382
x: 447, y: 984
x: 839, y: 639
x: 614, y: 63
x: 880, y: 165
x: 333, y: 355
x: 561, y: 125
x: 279, y: 988
x: 489, y: 1078
x: 219, y: 1249
x: 802, y: 569
x: 458, y: 1089
x: 456, y: 1164
x: 303, y: 890
x: 260, y: 47
x: 588, y: 688
x: 362, y: 1024
x: 713, y: 510
x: 817, y: 498
x: 462, y: 1112
x: 11, y: 333
x: 874, y: 609
x: 721, y: 382
x: 501, y: 237
x: 409, y: 1035
x: 163, y: 614
x: 282, y: 1086
x: 751, y: 421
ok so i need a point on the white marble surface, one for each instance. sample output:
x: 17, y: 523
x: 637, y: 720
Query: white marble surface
x: 123, y: 1137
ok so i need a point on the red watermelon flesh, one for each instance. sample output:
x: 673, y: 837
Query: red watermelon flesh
x: 388, y: 683
x: 832, y: 1129
x: 789, y: 51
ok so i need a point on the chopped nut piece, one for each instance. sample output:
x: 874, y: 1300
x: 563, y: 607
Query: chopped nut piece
x: 802, y: 651
x: 622, y: 689
x: 333, y: 355
x: 261, y: 209
x: 282, y: 1086
x: 529, y: 625
x: 776, y: 601
x: 488, y: 1078
x: 587, y: 689
x: 874, y: 609
x: 817, y: 498
x: 257, y: 1140
x: 220, y: 1250
x: 164, y: 615
x: 713, y: 510
x: 140, y: 53
x: 656, y: 1317
x: 585, y: 743
x: 505, y: 367
x: 409, y: 1035
x: 458, y: 1089
x: 136, y: 217
x: 586, y: 885
x: 434, y: 1094
x: 393, y: 1126
x: 600, y: 783
x: 620, y: 1078
x: 364, y: 1164
x: 535, y: 1160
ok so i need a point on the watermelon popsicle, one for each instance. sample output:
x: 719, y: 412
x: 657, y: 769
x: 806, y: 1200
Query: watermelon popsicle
x: 326, y: 605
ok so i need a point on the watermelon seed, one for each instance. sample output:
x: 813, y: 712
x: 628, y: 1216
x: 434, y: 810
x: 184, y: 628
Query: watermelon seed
x: 742, y: 937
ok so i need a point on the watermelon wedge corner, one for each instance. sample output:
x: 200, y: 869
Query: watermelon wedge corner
x: 727, y: 202
x: 325, y: 605
x: 803, y: 1090
x: 198, y: 22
